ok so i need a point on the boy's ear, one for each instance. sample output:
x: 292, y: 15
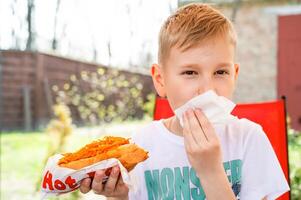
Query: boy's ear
x: 236, y: 70
x: 157, y: 76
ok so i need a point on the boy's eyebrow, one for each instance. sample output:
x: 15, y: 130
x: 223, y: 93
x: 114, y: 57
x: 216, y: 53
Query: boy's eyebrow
x: 225, y: 64
x: 222, y: 64
x: 189, y: 65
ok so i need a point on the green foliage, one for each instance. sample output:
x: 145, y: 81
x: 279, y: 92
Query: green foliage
x: 149, y: 105
x: 295, y: 163
x: 57, y: 131
x: 103, y: 96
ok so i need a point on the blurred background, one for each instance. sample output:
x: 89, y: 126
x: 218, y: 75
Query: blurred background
x: 75, y: 70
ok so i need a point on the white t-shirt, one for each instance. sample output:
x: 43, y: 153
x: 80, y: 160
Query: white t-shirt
x: 248, y: 157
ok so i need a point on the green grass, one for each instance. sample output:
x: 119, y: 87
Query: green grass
x: 20, y: 163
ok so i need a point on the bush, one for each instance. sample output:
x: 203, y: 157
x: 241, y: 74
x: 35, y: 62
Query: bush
x: 103, y: 96
x: 294, y: 138
x: 149, y: 105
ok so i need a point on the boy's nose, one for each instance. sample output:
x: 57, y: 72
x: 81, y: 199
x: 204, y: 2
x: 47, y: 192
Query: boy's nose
x: 204, y: 88
x: 203, y: 91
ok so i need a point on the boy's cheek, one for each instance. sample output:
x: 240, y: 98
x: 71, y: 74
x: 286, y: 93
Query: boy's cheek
x: 177, y: 98
x: 179, y: 94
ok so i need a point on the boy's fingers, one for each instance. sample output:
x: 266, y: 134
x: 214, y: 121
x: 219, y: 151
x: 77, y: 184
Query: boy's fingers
x: 121, y: 187
x: 112, y: 181
x: 206, y: 125
x: 188, y: 138
x: 97, y: 185
x: 85, y: 185
x: 196, y: 128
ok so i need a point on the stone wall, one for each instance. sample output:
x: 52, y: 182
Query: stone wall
x: 256, y: 53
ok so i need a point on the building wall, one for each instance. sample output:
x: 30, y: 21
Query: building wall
x: 268, y: 52
x: 256, y: 53
x: 289, y: 65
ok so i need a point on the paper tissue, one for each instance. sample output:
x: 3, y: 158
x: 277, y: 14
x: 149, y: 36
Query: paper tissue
x: 216, y: 108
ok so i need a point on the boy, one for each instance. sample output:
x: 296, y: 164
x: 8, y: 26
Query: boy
x: 233, y: 161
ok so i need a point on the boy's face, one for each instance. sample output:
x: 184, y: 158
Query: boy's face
x: 195, y: 71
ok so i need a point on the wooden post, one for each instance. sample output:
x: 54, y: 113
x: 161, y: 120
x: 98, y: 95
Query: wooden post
x: 27, y: 108
x: 39, y: 97
x: 48, y: 95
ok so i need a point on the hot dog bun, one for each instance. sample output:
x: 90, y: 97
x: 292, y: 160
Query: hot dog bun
x: 109, y: 147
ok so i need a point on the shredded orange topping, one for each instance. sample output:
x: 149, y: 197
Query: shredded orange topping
x: 96, y: 147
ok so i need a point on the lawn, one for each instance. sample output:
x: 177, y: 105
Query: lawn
x: 22, y: 156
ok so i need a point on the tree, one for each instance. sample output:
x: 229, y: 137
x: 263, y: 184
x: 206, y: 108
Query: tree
x: 54, y: 40
x: 236, y: 6
x: 14, y: 35
x: 29, y: 18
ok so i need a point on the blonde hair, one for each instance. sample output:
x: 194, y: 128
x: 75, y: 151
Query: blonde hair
x: 190, y: 25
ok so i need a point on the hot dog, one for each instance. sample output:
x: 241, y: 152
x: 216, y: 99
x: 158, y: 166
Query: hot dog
x: 109, y: 147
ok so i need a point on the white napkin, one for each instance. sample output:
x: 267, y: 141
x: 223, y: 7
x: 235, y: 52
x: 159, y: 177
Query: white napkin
x: 216, y: 108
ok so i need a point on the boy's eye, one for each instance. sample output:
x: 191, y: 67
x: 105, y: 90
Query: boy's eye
x: 189, y: 73
x: 221, y: 72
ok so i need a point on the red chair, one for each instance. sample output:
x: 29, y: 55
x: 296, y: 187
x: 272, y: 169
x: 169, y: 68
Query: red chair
x: 270, y: 115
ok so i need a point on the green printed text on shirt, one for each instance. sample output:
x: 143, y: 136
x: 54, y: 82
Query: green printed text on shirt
x: 182, y: 183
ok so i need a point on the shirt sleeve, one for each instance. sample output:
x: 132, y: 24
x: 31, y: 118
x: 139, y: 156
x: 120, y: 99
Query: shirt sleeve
x: 262, y: 175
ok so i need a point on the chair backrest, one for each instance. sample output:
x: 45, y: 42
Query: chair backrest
x: 270, y: 115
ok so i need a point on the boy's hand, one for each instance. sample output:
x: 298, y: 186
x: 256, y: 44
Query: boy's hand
x: 204, y: 153
x: 202, y: 144
x: 114, y: 187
